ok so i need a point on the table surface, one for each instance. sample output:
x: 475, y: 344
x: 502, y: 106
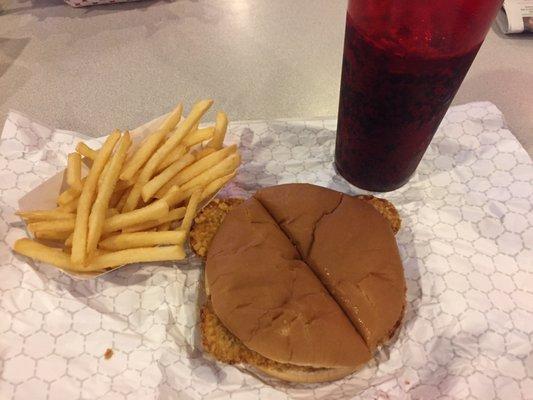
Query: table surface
x: 98, y: 68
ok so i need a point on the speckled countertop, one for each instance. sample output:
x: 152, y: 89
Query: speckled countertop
x: 98, y: 68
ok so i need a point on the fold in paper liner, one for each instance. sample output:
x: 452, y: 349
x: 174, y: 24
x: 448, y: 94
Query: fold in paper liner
x: 44, y: 196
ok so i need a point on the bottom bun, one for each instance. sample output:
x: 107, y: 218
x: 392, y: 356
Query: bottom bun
x: 319, y: 375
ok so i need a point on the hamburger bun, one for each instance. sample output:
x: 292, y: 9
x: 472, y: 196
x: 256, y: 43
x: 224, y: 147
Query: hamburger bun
x: 304, y: 282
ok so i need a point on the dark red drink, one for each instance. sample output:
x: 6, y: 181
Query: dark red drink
x: 403, y: 63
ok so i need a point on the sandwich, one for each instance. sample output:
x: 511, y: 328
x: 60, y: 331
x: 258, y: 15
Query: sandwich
x: 303, y: 283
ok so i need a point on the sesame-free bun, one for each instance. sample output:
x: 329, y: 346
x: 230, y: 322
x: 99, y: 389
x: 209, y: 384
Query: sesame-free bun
x: 304, y: 283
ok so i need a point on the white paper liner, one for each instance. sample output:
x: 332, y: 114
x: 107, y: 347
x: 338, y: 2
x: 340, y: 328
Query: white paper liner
x: 465, y: 242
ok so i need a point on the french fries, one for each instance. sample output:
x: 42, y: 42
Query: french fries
x: 44, y: 215
x: 40, y: 252
x: 175, y: 138
x: 61, y: 225
x: 221, y: 126
x: 128, y: 207
x: 130, y: 256
x: 151, y: 187
x: 174, y: 215
x: 198, y: 136
x: 86, y: 151
x: 190, y: 213
x: 150, y: 145
x: 74, y: 171
x: 142, y: 239
x: 157, y: 209
x: 196, y: 169
x: 101, y: 204
x: 79, y: 239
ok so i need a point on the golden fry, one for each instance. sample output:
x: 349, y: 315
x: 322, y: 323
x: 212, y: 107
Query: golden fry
x: 190, y: 213
x: 70, y: 207
x: 157, y: 209
x: 163, y: 227
x: 98, y: 212
x: 141, y: 239
x: 79, y: 239
x: 60, y: 225
x: 198, y: 110
x: 86, y: 151
x: 176, y: 153
x: 106, y: 220
x: 214, y: 186
x: 130, y: 256
x: 196, y: 169
x: 52, y: 235
x: 201, y: 153
x: 68, y: 196
x: 173, y: 215
x: 225, y: 167
x: 45, y: 215
x: 152, y: 186
x: 74, y: 171
x: 40, y: 252
x: 150, y: 145
x: 221, y: 126
x: 198, y: 136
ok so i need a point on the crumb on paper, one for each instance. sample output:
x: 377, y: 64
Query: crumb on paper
x: 108, y: 354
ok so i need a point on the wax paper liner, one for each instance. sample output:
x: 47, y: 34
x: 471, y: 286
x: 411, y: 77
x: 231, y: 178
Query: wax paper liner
x: 465, y: 242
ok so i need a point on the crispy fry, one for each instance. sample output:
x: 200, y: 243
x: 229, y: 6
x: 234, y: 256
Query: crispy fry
x: 190, y: 213
x: 121, y: 185
x: 142, y: 254
x: 176, y: 153
x: 214, y: 186
x: 60, y: 225
x: 74, y: 171
x: 45, y: 215
x: 179, y: 197
x: 68, y: 196
x: 152, y: 186
x: 141, y: 239
x: 201, y: 153
x: 79, y: 239
x: 221, y: 125
x: 70, y: 207
x: 164, y: 227
x: 40, y: 252
x: 173, y: 215
x: 157, y: 209
x: 86, y: 151
x: 198, y: 110
x: 57, y: 236
x: 198, y: 136
x: 196, y: 169
x: 108, y: 218
x: 225, y: 167
x: 98, y: 212
x: 144, y: 152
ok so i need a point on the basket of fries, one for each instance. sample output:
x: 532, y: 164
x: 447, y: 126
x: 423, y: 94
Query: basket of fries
x: 131, y: 201
x: 86, y: 3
